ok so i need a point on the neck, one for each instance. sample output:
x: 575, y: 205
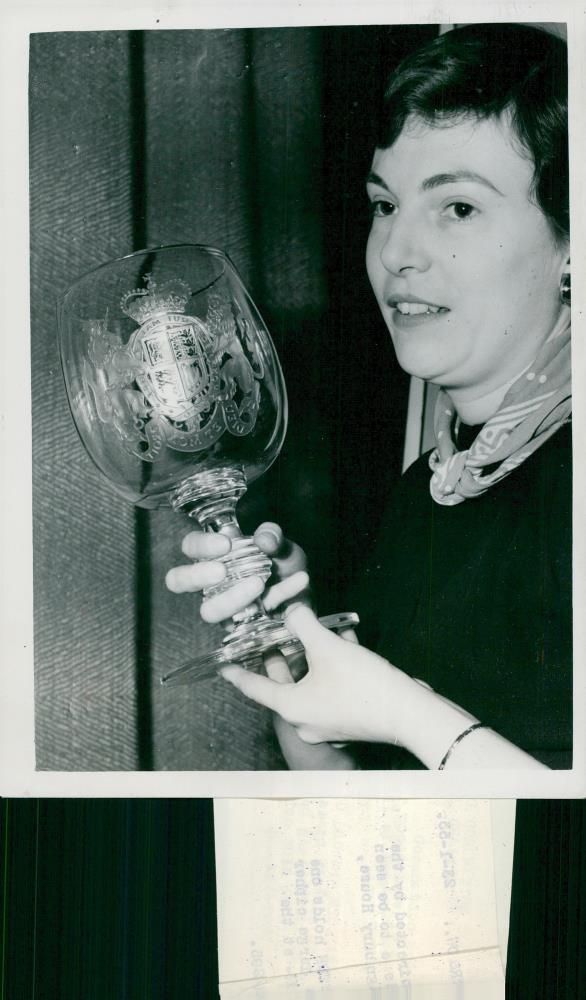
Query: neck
x: 478, y: 410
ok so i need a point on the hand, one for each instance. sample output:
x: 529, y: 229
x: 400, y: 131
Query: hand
x: 348, y: 693
x: 289, y: 579
x: 300, y: 755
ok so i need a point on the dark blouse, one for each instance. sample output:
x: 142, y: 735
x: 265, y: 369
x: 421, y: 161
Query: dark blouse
x: 476, y: 599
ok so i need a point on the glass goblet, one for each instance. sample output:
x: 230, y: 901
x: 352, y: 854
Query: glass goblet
x: 178, y: 396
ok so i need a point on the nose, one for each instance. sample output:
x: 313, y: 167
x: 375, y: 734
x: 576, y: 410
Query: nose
x: 405, y: 246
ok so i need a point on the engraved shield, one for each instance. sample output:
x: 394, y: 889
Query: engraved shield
x: 176, y: 377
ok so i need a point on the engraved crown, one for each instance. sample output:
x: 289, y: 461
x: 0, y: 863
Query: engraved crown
x: 142, y: 303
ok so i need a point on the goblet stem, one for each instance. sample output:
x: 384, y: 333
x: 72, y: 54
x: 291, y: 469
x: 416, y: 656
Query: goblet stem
x: 211, y: 498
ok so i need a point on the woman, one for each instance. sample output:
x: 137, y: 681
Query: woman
x: 469, y: 589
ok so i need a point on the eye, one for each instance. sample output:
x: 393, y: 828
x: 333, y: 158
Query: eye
x: 460, y: 210
x: 381, y: 208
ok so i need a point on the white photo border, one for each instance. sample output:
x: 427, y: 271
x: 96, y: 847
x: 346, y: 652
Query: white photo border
x: 18, y: 776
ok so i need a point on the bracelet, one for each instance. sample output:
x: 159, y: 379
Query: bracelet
x: 462, y: 736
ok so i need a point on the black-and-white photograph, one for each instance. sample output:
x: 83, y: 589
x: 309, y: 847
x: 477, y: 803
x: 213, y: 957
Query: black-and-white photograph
x: 301, y: 400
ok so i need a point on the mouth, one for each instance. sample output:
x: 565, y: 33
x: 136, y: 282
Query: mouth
x: 410, y: 308
x: 409, y: 314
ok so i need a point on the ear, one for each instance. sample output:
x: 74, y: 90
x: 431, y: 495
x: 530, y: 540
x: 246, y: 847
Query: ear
x: 564, y: 260
x: 566, y: 282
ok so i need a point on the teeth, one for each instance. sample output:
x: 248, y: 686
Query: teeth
x: 415, y: 308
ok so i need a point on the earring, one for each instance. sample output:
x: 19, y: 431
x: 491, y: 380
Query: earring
x: 566, y: 286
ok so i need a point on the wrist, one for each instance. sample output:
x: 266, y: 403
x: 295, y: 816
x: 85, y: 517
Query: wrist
x: 435, y: 726
x: 453, y: 747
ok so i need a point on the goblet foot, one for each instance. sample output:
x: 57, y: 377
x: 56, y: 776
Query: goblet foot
x: 247, y: 645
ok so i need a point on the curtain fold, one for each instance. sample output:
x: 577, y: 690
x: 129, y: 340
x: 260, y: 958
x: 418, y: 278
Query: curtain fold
x: 81, y: 215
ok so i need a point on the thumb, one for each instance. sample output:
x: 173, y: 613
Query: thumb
x: 269, y: 537
x: 305, y: 625
x: 255, y: 686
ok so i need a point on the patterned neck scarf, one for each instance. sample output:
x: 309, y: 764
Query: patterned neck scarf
x: 535, y: 406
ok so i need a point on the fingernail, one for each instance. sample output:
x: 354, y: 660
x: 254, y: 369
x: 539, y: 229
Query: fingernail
x: 293, y: 607
x: 299, y: 617
x: 273, y: 539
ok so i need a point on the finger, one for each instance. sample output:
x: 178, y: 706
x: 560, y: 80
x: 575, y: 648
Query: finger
x: 291, y: 587
x: 269, y: 537
x: 277, y: 668
x: 260, y: 689
x: 205, y: 545
x: 349, y: 635
x: 221, y: 606
x: 189, y: 579
x: 309, y: 735
x: 287, y: 556
x: 304, y: 624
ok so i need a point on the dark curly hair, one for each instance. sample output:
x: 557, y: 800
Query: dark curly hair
x: 491, y: 71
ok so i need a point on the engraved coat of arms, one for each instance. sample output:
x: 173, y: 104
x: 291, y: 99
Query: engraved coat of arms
x: 180, y: 381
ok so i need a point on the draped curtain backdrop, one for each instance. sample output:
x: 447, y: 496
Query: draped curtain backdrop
x: 256, y: 141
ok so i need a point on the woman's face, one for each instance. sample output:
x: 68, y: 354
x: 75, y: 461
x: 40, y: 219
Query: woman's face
x: 463, y: 263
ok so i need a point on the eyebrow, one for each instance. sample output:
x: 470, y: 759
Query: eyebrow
x: 437, y: 180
